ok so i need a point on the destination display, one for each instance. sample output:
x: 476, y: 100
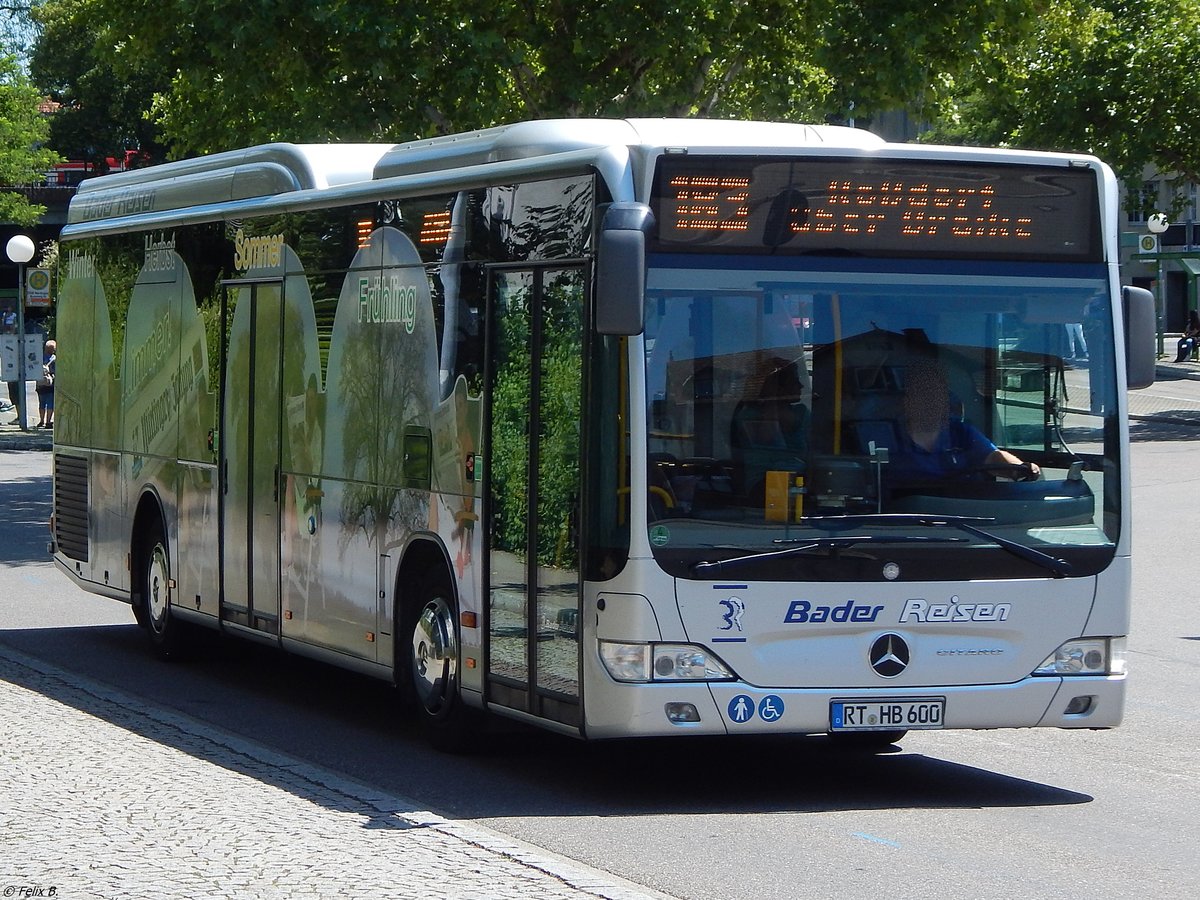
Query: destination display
x: 876, y: 208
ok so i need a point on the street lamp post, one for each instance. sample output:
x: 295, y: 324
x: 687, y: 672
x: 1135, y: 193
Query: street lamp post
x: 1157, y: 224
x: 20, y: 251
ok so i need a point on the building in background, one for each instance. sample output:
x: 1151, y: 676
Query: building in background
x: 1168, y: 261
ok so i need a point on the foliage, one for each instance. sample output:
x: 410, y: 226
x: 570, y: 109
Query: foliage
x: 906, y: 53
x: 16, y: 30
x: 104, y: 96
x: 560, y: 440
x: 559, y: 406
x: 214, y: 74
x: 1117, y: 78
x: 22, y: 130
x: 510, y: 427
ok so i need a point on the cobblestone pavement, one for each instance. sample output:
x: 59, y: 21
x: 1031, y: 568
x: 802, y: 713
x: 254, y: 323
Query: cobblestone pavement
x: 102, y: 797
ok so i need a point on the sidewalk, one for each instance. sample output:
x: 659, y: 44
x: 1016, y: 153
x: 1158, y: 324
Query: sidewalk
x: 1166, y: 369
x: 12, y: 437
x: 106, y: 797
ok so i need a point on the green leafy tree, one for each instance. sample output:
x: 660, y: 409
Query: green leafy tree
x: 907, y: 54
x: 105, y: 97
x: 1117, y: 78
x: 16, y: 30
x: 23, y: 129
x: 224, y: 73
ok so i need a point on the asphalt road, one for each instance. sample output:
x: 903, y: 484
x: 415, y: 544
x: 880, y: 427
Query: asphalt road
x: 1031, y: 814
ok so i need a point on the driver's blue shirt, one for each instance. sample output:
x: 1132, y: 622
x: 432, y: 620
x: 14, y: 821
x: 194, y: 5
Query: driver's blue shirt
x: 959, y: 448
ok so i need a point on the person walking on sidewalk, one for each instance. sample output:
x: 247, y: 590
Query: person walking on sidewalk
x: 45, y: 387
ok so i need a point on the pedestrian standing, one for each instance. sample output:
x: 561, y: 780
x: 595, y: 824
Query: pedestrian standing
x: 45, y: 386
x: 8, y: 325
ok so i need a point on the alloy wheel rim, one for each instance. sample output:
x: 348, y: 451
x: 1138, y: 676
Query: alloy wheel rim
x: 434, y: 655
x: 158, y: 586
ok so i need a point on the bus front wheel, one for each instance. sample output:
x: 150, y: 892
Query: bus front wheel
x: 434, y: 658
x: 432, y: 668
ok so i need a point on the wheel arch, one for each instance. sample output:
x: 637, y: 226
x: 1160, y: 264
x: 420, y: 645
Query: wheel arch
x: 149, y: 509
x: 423, y: 557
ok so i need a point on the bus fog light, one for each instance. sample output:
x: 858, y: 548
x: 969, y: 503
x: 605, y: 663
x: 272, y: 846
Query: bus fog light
x: 1087, y: 656
x: 1079, y: 706
x: 626, y: 662
x: 685, y: 662
x: 682, y: 713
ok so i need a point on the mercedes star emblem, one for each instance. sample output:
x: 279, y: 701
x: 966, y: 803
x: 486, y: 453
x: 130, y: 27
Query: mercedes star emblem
x: 889, y: 655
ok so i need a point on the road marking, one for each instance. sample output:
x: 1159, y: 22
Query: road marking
x: 876, y: 840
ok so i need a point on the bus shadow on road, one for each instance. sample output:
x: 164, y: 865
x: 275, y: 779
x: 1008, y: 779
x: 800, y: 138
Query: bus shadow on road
x: 792, y: 774
x: 1166, y: 425
x: 289, y: 710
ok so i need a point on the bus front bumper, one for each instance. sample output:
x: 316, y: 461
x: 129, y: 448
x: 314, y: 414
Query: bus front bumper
x: 617, y: 710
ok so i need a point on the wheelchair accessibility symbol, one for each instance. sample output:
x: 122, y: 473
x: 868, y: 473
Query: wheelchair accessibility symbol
x: 770, y: 708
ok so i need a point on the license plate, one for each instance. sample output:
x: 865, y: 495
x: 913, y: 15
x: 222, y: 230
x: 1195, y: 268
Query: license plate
x: 886, y: 715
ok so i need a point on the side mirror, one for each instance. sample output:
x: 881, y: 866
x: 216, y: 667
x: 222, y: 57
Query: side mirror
x: 1140, y: 336
x: 621, y: 269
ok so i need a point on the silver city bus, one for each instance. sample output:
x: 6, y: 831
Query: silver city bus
x: 614, y: 426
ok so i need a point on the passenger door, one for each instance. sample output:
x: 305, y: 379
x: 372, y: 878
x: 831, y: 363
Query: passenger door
x: 249, y: 450
x: 534, y: 394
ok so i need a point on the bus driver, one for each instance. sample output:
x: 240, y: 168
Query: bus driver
x: 935, y: 445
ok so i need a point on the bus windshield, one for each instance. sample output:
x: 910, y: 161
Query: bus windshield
x: 848, y: 419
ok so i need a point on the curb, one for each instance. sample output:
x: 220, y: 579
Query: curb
x: 13, y: 438
x: 1177, y: 371
x: 512, y: 862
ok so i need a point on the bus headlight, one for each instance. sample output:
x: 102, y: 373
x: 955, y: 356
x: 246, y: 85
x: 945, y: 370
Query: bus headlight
x: 626, y: 662
x: 1086, y: 656
x: 661, y: 662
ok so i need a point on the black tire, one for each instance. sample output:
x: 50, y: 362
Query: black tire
x: 867, y: 741
x: 155, y: 593
x: 428, y: 666
x: 139, y: 612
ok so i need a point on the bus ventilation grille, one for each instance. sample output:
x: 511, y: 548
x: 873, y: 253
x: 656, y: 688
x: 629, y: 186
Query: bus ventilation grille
x: 71, y: 506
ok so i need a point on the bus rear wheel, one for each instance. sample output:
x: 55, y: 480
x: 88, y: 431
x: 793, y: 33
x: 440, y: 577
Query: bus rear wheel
x: 156, y: 590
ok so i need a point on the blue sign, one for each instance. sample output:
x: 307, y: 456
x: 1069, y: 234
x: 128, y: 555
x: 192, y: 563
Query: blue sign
x: 741, y: 708
x: 770, y: 708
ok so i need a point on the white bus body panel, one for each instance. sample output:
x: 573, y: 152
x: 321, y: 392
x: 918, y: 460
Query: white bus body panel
x: 820, y: 635
x: 982, y: 669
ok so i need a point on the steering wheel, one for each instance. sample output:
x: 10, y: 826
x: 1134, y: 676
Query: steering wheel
x: 1011, y: 471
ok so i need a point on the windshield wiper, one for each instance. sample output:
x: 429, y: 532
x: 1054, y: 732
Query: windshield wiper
x: 717, y: 566
x: 1060, y: 568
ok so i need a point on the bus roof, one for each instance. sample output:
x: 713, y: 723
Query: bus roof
x: 271, y: 170
x: 261, y: 171
x: 298, y: 176
x: 525, y: 140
